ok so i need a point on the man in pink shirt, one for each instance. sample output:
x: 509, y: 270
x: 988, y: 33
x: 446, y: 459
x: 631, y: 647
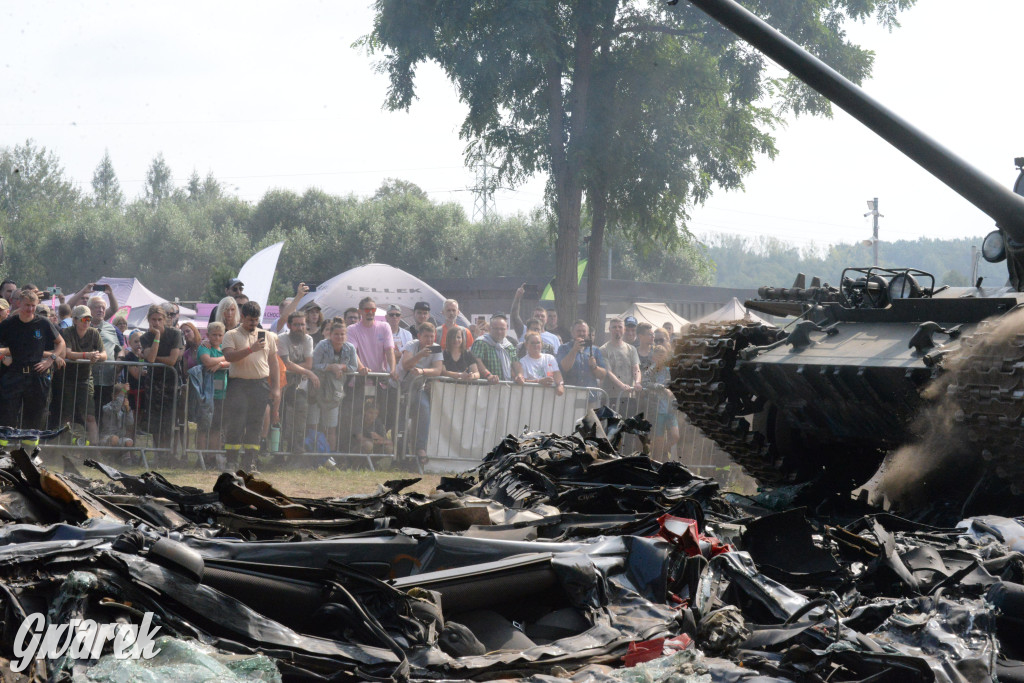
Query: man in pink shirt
x: 375, y: 346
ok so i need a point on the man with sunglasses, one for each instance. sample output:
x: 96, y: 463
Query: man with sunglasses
x: 173, y: 312
x: 232, y: 288
x: 375, y: 348
x: 373, y: 340
x: 401, y: 335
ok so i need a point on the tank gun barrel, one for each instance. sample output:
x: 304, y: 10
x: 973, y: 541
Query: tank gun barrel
x: 995, y: 200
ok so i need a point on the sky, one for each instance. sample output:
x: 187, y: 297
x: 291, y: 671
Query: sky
x: 274, y: 95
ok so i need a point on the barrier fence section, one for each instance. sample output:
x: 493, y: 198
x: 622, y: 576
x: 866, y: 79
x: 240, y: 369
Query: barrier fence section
x: 337, y: 420
x: 465, y: 419
x: 122, y: 407
x: 139, y: 410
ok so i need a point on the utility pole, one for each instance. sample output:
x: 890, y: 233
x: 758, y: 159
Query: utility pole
x: 483, y: 191
x: 873, y: 212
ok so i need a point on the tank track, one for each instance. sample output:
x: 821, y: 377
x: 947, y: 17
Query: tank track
x: 986, y: 387
x: 714, y: 399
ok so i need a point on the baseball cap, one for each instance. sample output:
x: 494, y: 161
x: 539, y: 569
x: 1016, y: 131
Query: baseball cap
x: 394, y: 307
x: 80, y: 312
x: 421, y: 306
x: 234, y: 281
x: 630, y: 321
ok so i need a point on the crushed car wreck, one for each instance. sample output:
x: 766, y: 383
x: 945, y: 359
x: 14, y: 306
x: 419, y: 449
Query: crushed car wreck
x: 556, y: 558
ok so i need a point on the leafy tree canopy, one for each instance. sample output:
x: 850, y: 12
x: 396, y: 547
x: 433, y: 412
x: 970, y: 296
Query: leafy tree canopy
x: 640, y: 107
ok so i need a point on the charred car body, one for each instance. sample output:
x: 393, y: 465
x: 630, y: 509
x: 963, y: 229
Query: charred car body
x: 836, y: 389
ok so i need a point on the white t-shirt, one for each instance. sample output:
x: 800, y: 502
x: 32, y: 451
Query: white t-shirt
x: 539, y: 368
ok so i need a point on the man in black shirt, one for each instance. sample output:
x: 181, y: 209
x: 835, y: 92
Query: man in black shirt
x: 421, y: 314
x: 34, y: 346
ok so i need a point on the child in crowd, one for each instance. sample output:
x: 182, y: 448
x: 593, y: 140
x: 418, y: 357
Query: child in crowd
x: 212, y: 358
x: 117, y: 423
x: 370, y: 439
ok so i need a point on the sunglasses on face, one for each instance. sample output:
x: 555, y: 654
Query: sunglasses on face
x: 369, y: 310
x: 394, y: 315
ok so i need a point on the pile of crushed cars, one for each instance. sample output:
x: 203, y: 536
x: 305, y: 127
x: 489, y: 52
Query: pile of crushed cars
x: 557, y: 558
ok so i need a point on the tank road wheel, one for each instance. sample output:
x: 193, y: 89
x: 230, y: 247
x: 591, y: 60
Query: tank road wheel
x: 713, y: 397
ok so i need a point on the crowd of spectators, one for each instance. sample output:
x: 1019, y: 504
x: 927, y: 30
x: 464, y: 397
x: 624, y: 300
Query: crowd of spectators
x: 316, y: 384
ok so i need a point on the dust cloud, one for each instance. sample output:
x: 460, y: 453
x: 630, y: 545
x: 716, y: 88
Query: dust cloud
x: 945, y: 458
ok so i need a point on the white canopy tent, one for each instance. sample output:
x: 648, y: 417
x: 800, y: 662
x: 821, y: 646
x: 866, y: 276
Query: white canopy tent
x: 131, y: 292
x: 656, y: 314
x: 731, y: 311
x: 386, y: 284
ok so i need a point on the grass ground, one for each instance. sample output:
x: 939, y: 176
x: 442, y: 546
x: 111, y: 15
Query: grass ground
x: 321, y: 482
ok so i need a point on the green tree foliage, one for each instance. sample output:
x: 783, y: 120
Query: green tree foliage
x: 636, y: 106
x: 159, y: 181
x: 106, y: 190
x: 188, y: 243
x: 742, y: 262
x: 31, y: 174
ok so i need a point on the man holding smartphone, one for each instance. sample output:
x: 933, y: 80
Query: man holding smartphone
x: 581, y: 362
x: 251, y: 383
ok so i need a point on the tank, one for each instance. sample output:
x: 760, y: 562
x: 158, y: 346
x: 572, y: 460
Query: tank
x: 825, y: 396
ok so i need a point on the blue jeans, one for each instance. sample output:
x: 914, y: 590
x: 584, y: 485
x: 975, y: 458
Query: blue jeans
x: 420, y: 407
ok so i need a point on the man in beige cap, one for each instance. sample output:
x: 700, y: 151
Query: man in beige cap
x: 83, y: 347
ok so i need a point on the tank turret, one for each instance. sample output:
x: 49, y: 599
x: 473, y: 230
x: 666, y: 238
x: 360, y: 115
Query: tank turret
x: 826, y: 396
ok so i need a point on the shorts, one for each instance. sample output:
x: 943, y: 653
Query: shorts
x: 663, y: 421
x: 77, y: 402
x: 329, y: 415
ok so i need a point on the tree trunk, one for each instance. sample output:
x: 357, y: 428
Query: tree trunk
x: 595, y: 259
x: 567, y: 165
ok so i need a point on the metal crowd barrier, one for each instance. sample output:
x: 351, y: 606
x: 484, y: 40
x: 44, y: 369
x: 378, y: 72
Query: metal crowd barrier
x: 464, y: 419
x: 313, y: 428
x: 455, y: 422
x: 141, y: 423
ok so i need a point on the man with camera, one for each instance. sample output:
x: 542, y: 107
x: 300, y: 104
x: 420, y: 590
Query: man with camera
x: 421, y: 357
x: 251, y: 383
x: 92, y: 291
x: 581, y: 362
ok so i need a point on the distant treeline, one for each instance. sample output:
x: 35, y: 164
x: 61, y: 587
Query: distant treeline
x: 185, y: 240
x: 753, y: 262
